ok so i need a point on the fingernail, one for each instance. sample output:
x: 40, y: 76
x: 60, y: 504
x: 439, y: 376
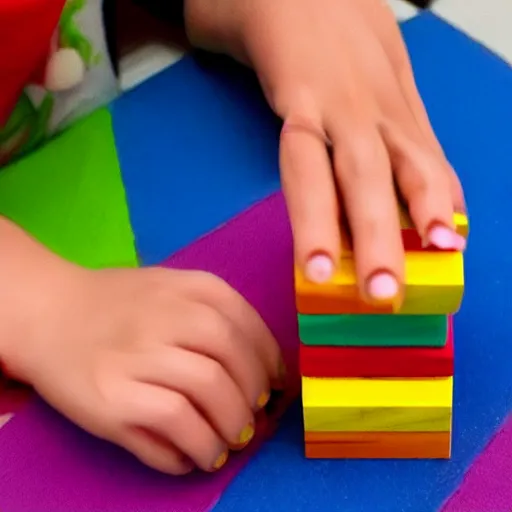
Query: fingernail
x: 319, y: 269
x: 222, y: 459
x: 247, y: 434
x: 383, y: 287
x: 445, y: 238
x: 263, y: 400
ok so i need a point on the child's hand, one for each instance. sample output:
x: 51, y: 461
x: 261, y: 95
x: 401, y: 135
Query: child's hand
x: 338, y: 74
x: 171, y: 365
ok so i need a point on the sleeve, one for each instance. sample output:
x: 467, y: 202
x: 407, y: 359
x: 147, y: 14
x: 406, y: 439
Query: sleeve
x: 171, y: 11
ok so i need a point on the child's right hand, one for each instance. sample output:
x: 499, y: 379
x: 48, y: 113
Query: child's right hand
x: 171, y: 365
x: 356, y: 133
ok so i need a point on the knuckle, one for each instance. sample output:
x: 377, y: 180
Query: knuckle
x: 293, y: 103
x: 429, y: 182
x: 206, y: 276
x: 212, y: 282
x: 157, y: 286
x: 155, y: 277
x: 360, y: 157
x: 214, y: 325
x: 213, y: 374
x: 419, y: 184
x: 177, y: 408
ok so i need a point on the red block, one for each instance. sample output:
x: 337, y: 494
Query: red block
x: 357, y: 362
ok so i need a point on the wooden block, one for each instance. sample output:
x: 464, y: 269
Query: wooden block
x: 410, y: 237
x: 339, y: 362
x: 378, y: 445
x: 412, y: 240
x: 374, y: 330
x: 377, y: 405
x: 434, y: 285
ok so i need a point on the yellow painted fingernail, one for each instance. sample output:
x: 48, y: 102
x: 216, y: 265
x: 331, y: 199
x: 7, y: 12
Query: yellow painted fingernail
x: 263, y: 399
x: 222, y: 459
x: 247, y: 434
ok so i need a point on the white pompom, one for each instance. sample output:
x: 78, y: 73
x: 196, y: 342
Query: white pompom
x: 65, y: 70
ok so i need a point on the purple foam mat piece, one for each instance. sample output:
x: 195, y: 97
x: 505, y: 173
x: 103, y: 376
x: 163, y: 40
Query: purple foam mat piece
x: 49, y: 465
x: 487, y: 486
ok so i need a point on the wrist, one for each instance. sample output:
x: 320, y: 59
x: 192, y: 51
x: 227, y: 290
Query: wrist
x: 32, y: 279
x: 216, y: 26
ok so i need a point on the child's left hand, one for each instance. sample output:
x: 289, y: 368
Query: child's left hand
x: 337, y: 72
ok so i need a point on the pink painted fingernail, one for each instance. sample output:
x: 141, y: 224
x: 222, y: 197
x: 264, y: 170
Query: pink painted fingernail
x: 383, y: 287
x: 319, y: 269
x: 445, y: 238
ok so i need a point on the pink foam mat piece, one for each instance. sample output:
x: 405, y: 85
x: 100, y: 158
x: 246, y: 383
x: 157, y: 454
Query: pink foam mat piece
x: 47, y: 464
x: 487, y: 486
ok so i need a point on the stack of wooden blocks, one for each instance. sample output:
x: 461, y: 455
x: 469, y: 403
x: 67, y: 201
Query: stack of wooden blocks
x: 377, y: 382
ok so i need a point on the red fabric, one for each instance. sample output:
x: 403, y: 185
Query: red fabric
x: 406, y: 362
x: 26, y: 30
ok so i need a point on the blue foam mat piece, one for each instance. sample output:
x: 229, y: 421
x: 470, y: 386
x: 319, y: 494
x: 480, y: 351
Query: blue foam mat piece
x: 468, y: 92
x: 197, y: 145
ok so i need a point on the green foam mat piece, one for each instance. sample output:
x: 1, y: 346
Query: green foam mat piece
x: 70, y: 196
x: 374, y: 330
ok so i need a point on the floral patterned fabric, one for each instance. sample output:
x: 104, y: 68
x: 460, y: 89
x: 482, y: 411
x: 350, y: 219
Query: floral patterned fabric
x: 56, y: 68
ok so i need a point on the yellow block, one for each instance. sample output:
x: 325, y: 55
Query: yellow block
x: 434, y: 285
x: 377, y: 405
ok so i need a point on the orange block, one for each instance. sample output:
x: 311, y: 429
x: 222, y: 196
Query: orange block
x: 337, y: 305
x: 378, y: 445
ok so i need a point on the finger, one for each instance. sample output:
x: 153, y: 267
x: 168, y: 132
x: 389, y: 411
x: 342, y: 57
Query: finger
x: 216, y: 293
x: 310, y: 191
x: 171, y: 416
x: 211, y: 334
x: 426, y: 188
x: 426, y: 180
x: 155, y: 452
x: 365, y: 179
x: 207, y: 385
x: 417, y: 108
x: 457, y: 192
x: 390, y: 36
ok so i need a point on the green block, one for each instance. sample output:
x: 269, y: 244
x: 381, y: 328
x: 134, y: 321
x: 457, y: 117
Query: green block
x: 70, y: 196
x: 374, y: 330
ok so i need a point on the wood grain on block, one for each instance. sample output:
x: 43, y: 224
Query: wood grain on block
x: 377, y: 405
x: 434, y: 285
x: 374, y: 330
x: 378, y: 445
x: 339, y: 362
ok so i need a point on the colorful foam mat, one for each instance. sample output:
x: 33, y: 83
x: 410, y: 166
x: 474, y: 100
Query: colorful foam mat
x: 204, y: 152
